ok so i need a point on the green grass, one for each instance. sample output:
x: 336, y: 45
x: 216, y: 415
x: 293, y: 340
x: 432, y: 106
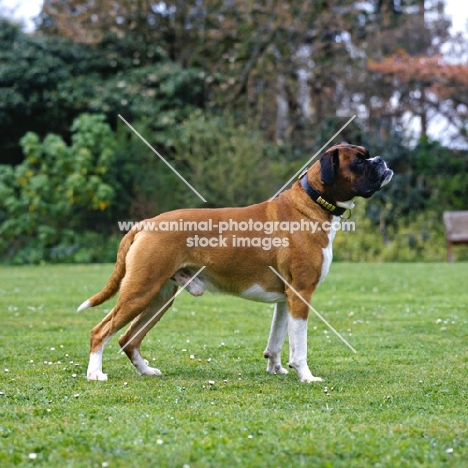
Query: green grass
x: 400, y: 401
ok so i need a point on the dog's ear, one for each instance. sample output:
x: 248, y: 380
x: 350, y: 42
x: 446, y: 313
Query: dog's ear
x: 329, y: 167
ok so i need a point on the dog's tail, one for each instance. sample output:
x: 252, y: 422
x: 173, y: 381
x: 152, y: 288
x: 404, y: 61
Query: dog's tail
x: 113, y: 285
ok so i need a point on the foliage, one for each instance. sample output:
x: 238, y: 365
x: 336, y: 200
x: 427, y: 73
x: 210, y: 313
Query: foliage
x: 400, y: 401
x: 67, y: 198
x: 416, y: 239
x: 45, y: 83
x: 226, y: 163
x: 235, y: 95
x: 286, y: 66
x: 427, y: 84
x: 105, y: 176
x: 230, y: 164
x: 57, y: 192
x: 150, y: 186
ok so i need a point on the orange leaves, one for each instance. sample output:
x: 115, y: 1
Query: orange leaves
x: 432, y: 72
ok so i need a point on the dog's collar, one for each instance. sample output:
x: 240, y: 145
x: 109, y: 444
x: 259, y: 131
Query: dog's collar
x: 317, y: 197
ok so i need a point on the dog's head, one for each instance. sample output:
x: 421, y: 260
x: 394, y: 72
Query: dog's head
x: 348, y: 171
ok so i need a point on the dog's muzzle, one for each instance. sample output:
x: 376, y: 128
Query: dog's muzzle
x: 386, y: 174
x: 387, y: 178
x: 379, y: 175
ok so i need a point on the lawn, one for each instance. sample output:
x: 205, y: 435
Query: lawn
x: 400, y: 401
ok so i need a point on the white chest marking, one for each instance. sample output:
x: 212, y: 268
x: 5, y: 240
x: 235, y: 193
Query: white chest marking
x: 258, y: 294
x: 328, y: 251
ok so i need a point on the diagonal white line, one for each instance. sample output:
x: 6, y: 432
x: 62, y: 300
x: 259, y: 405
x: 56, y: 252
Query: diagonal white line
x: 312, y: 158
x: 162, y: 159
x: 313, y: 310
x: 161, y: 309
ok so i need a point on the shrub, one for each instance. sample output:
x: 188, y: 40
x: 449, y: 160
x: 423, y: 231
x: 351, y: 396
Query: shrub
x: 57, y: 193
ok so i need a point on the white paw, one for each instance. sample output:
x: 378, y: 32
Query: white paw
x: 276, y: 369
x: 151, y: 371
x: 96, y: 375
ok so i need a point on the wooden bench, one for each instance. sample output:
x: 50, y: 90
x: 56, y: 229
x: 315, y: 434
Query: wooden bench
x: 456, y: 230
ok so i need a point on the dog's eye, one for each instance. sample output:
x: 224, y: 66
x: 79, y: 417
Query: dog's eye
x: 359, y: 165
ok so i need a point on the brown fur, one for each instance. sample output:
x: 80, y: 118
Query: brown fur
x: 113, y: 284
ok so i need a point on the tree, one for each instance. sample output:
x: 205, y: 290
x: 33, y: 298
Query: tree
x: 428, y: 83
x: 46, y: 82
x: 286, y: 67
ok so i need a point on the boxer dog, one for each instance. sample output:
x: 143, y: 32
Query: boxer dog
x: 152, y: 263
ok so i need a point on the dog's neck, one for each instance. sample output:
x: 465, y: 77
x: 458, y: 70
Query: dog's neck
x: 335, y: 208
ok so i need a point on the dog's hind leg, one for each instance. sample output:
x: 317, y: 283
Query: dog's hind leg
x: 131, y: 302
x: 131, y: 340
x: 279, y: 328
x: 147, y: 270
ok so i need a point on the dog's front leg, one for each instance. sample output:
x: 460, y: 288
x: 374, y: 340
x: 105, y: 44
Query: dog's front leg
x: 297, y: 329
x: 279, y: 327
